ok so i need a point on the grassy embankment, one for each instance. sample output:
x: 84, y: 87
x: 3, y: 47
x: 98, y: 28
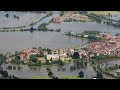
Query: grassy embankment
x: 46, y: 77
x: 105, y: 12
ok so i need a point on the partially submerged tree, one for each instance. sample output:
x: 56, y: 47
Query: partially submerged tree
x: 81, y: 74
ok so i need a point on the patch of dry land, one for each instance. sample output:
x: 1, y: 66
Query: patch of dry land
x: 25, y: 19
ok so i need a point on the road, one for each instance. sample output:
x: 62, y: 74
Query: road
x: 45, y: 20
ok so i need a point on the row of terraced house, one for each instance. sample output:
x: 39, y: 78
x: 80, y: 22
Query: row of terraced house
x: 110, y: 47
x: 55, y: 55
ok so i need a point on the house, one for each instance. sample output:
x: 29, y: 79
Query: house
x: 26, y: 61
x: 85, y: 35
x: 41, y: 58
x: 58, y: 19
x: 45, y: 53
x: 63, y: 56
x: 53, y: 56
x: 56, y: 56
x: 107, y: 36
x: 8, y: 59
x: 21, y: 56
x: 34, y: 53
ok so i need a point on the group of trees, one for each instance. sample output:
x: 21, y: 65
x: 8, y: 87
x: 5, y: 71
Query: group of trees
x: 51, y: 74
x: 33, y: 58
x: 108, y: 21
x: 42, y: 26
x: 99, y: 75
x: 2, y: 58
x: 50, y: 62
x: 5, y: 75
x: 102, y: 57
x: 7, y: 15
x: 115, y: 67
x: 61, y: 13
x: 91, y: 32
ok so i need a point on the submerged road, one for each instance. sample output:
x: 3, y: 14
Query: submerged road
x: 45, y: 20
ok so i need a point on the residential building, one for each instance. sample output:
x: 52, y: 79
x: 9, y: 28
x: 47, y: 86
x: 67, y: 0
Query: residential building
x: 58, y: 19
x: 41, y: 58
x: 107, y: 36
x: 53, y: 56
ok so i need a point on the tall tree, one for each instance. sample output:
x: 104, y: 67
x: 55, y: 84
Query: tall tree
x: 76, y: 55
x: 81, y: 74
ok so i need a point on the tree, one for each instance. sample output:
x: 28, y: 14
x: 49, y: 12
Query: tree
x: 48, y: 69
x: 72, y: 68
x: 4, y: 73
x: 19, y: 68
x: 16, y: 53
x: 33, y: 58
x: 47, y: 62
x: 60, y: 62
x: 7, y: 15
x: 85, y: 63
x: 39, y: 62
x: 51, y: 60
x: 41, y: 53
x: 31, y: 29
x: 81, y: 74
x: 99, y: 75
x: 18, y: 57
x: 76, y: 55
x: 54, y: 77
x: 9, y: 67
x: 50, y: 74
x: 45, y: 57
x: 49, y: 51
x: 62, y: 13
x: 2, y: 58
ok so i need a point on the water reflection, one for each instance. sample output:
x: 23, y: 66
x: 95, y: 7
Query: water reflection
x: 34, y: 68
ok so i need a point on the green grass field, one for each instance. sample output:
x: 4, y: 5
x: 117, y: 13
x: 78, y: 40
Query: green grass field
x: 105, y: 12
x: 45, y: 77
x: 37, y: 77
x: 74, y: 77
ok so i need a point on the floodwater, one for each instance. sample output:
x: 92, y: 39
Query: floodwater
x: 12, y: 41
x: 27, y: 72
x: 59, y: 71
x: 25, y: 18
x: 114, y: 17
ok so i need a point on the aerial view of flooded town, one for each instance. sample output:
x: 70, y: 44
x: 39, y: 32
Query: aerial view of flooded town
x: 59, y: 44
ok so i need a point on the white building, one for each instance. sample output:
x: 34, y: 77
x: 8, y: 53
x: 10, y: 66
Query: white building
x: 53, y: 56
